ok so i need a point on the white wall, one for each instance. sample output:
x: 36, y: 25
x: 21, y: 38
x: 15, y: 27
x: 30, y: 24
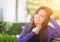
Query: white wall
x: 21, y: 10
x: 1, y: 3
x: 9, y: 10
x: 1, y: 10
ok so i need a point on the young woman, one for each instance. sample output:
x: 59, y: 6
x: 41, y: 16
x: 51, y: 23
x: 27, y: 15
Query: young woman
x: 38, y: 30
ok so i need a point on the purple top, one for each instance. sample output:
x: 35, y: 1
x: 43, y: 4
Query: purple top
x: 51, y: 31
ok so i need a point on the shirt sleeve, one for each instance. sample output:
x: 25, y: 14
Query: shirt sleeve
x: 23, y: 38
x: 54, y: 23
x: 56, y: 31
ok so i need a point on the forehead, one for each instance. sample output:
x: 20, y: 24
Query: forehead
x: 42, y: 12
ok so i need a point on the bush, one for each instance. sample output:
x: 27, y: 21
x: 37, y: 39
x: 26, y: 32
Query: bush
x: 7, y: 38
x: 11, y: 28
x: 2, y: 28
x: 16, y: 28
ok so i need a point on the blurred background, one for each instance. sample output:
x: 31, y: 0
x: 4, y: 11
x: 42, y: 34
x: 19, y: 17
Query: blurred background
x: 14, y: 14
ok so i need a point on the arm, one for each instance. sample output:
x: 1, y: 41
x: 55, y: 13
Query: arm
x: 56, y: 31
x: 54, y: 23
x: 53, y: 32
x: 23, y: 38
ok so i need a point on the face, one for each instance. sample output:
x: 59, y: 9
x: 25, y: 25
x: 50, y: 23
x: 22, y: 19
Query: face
x: 40, y: 17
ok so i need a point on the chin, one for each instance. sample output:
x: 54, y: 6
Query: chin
x: 40, y: 23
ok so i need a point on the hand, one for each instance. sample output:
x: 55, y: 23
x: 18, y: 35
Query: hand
x: 36, y: 30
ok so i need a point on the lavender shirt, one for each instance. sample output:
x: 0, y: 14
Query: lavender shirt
x: 51, y: 31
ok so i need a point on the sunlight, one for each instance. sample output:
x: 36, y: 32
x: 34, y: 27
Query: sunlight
x: 57, y: 1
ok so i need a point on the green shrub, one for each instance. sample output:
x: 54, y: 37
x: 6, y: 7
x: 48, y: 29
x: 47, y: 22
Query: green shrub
x: 7, y: 38
x: 16, y: 28
x: 11, y: 28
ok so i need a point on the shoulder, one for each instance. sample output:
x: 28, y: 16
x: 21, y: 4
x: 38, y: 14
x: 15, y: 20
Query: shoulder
x: 50, y: 28
x: 26, y: 26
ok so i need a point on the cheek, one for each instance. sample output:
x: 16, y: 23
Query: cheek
x: 41, y: 20
x: 35, y: 19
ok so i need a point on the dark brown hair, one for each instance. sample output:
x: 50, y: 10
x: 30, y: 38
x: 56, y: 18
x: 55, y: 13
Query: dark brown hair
x: 43, y: 35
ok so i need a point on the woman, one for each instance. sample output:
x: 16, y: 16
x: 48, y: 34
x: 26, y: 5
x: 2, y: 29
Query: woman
x: 38, y: 30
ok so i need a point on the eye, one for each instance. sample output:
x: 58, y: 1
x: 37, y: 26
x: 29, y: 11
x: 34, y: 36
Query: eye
x: 36, y: 16
x: 41, y: 16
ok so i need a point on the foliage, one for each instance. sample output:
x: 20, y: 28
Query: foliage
x: 11, y: 28
x: 7, y: 38
x: 33, y: 5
